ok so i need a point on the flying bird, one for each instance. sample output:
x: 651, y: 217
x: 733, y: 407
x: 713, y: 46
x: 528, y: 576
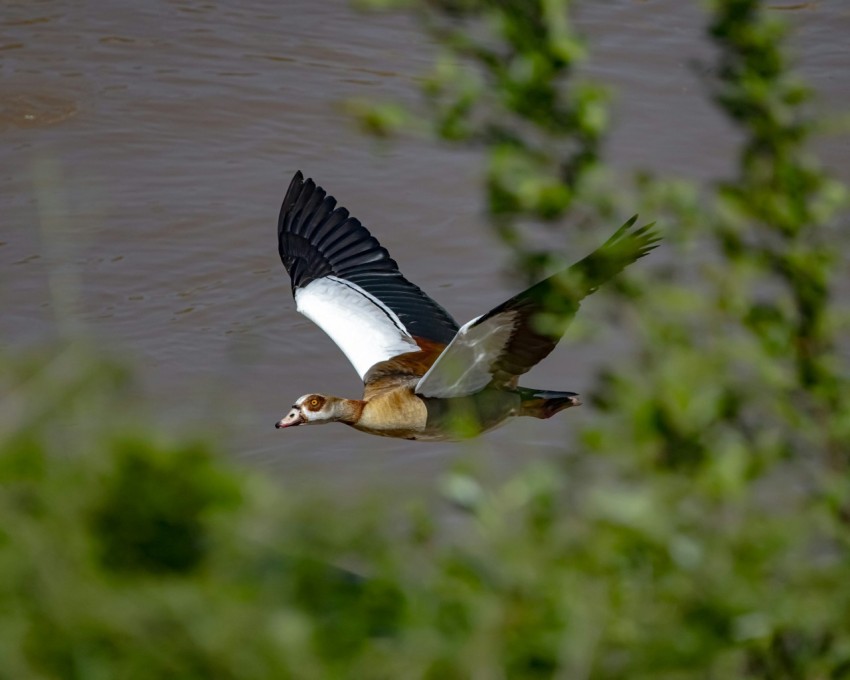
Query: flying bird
x: 425, y: 377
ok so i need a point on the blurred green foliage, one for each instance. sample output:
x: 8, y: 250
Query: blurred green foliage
x: 703, y: 531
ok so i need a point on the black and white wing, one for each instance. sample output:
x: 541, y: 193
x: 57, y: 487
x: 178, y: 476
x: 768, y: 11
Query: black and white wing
x: 347, y: 283
x: 508, y: 340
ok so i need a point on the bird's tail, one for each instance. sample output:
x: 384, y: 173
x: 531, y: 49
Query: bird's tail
x: 545, y: 403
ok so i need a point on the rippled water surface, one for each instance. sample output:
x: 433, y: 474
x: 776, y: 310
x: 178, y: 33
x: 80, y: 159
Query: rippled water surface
x: 145, y: 148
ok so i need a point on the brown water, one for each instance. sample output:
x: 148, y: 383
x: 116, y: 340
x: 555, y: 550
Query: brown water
x: 145, y: 148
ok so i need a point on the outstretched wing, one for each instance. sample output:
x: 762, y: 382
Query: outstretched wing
x: 508, y: 340
x: 347, y: 283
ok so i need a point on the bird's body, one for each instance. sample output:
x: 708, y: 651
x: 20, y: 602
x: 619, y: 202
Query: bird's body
x: 424, y: 377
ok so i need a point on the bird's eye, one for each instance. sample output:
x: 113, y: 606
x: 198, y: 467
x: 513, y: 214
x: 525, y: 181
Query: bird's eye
x: 314, y: 402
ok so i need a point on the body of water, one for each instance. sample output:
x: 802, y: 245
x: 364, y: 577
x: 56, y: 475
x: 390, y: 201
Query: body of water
x: 145, y: 149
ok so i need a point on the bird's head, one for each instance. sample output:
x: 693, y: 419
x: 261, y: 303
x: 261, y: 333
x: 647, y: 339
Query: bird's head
x: 311, y: 409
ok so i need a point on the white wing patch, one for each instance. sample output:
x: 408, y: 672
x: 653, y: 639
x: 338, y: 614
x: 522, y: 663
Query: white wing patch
x: 365, y: 329
x: 465, y: 365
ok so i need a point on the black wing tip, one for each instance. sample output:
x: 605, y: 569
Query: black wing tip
x: 295, y: 185
x: 296, y: 182
x: 642, y: 240
x: 648, y: 239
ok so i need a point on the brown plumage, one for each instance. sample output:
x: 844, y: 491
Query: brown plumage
x: 424, y: 377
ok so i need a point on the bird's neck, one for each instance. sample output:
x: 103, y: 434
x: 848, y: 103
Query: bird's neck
x: 348, y: 411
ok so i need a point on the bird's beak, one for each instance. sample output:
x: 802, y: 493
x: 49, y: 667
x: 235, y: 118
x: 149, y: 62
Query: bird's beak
x: 291, y: 419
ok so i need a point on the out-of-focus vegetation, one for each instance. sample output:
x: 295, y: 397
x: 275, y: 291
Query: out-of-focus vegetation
x: 711, y: 538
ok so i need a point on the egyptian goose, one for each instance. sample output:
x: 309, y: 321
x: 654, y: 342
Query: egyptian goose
x: 425, y: 377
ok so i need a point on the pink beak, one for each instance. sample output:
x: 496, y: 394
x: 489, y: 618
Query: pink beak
x: 291, y: 419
